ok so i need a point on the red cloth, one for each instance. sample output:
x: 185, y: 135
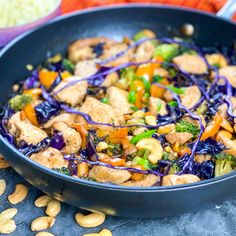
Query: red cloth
x: 205, y: 5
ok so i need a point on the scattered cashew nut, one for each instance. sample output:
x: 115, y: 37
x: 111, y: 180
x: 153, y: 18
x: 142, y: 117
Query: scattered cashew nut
x: 7, y: 226
x: 3, y: 186
x: 91, y: 220
x: 42, y: 223
x: 154, y: 146
x: 42, y: 201
x: 8, y: 214
x: 104, y: 232
x: 53, y: 208
x: 44, y: 234
x: 19, y: 194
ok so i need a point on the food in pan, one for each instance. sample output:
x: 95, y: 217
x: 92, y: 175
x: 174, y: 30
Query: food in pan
x: 143, y: 112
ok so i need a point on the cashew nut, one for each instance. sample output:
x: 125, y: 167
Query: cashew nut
x: 153, y: 146
x: 91, y: 220
x: 104, y: 232
x: 216, y: 58
x: 170, y: 180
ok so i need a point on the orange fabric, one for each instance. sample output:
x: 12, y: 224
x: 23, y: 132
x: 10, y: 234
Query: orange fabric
x: 205, y: 5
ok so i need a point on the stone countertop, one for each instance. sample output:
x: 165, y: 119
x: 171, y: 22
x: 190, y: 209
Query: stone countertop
x: 220, y: 220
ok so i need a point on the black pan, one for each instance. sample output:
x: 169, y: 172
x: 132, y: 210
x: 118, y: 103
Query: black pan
x: 115, y: 22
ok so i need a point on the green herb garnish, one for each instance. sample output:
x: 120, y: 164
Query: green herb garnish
x: 147, y: 84
x: 184, y: 126
x: 134, y: 108
x: 18, y: 102
x: 62, y: 170
x: 143, y: 135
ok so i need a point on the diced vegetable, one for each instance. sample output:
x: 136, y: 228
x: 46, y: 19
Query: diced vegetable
x: 176, y: 90
x: 184, y: 126
x: 143, y: 135
x: 167, y: 51
x: 20, y: 101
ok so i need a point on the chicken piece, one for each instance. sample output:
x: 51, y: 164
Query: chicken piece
x: 230, y: 73
x: 118, y: 99
x: 168, y: 96
x: 110, y: 80
x: 144, y: 52
x: 157, y: 106
x: 71, y: 137
x: 24, y: 130
x: 50, y: 157
x: 86, y: 68
x: 65, y: 118
x: 112, y: 49
x: 193, y: 64
x: 161, y: 72
x: 82, y: 49
x: 180, y: 137
x: 170, y: 180
x: 72, y: 95
x: 202, y: 157
x: 191, y: 96
x: 216, y: 59
x: 101, y: 112
x: 230, y: 144
x: 106, y: 174
x: 146, y: 181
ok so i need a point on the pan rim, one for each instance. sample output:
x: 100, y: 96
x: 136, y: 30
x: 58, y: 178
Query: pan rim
x: 108, y: 186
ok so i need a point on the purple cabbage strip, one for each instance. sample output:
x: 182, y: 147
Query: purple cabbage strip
x: 113, y: 69
x: 193, y: 116
x: 99, y: 163
x: 119, y: 54
x: 92, y: 122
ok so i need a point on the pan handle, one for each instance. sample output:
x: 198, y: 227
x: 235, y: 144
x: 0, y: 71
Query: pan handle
x: 227, y: 11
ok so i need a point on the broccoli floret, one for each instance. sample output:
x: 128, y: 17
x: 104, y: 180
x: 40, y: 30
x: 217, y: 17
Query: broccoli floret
x: 167, y: 51
x: 174, y: 169
x: 184, y: 126
x: 19, y: 102
x: 225, y: 164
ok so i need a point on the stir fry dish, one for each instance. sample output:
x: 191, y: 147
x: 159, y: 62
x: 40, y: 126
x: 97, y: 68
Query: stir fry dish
x: 143, y: 112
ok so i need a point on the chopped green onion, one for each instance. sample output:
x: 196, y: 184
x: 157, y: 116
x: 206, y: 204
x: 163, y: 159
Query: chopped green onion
x: 159, y: 105
x: 143, y: 135
x: 139, y: 35
x: 134, y: 108
x: 104, y: 100
x: 176, y: 90
x: 173, y: 104
x: 147, y: 84
x: 167, y: 51
x: 132, y: 97
x: 68, y: 65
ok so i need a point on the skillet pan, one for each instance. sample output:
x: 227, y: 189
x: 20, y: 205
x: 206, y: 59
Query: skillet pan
x: 114, y: 22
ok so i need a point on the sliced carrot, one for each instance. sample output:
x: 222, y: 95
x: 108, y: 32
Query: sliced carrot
x: 31, y: 114
x: 157, y: 91
x: 146, y: 70
x: 126, y: 143
x: 47, y: 77
x: 82, y: 129
x: 35, y: 92
x: 121, y: 133
x: 185, y: 150
x: 113, y: 161
x: 213, y: 127
x: 65, y: 74
x: 137, y: 85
